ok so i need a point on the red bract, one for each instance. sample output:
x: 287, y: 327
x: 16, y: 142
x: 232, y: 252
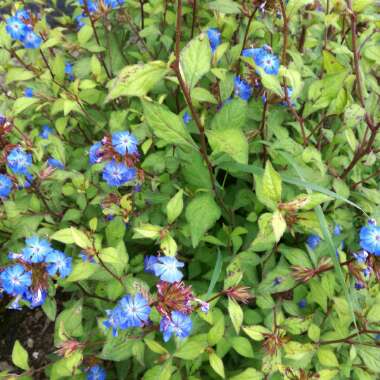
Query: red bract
x: 176, y: 296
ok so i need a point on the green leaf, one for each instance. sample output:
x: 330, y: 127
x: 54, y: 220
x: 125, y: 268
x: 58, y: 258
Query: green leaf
x: 50, y: 308
x: 236, y: 314
x: 327, y: 357
x: 80, y: 238
x: 242, y: 346
x: 190, y: 350
x: 269, y: 187
x: 137, y: 80
x: 374, y: 313
x: 202, y: 95
x: 231, y: 141
x: 231, y: 115
x: 224, y: 6
x: 195, y: 60
x: 215, y: 274
x: 201, y: 214
x: 155, y: 347
x: 81, y: 271
x: 216, y: 332
x: 84, y: 34
x: 175, y: 206
x: 370, y: 357
x: 256, y: 332
x: 166, y: 125
x: 64, y: 236
x: 20, y: 356
x: 278, y: 225
x: 22, y: 104
x: 248, y: 374
x: 216, y: 364
x: 115, y: 231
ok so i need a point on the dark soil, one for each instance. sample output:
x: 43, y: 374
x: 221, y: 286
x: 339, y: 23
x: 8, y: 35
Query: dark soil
x: 33, y: 330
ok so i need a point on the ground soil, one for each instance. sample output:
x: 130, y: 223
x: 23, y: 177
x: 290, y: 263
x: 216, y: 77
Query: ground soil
x: 33, y: 330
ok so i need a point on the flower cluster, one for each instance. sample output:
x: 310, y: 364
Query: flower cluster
x: 94, y: 6
x: 27, y: 279
x: 174, y: 301
x: 21, y: 28
x: 365, y: 262
x: 264, y: 58
x: 121, y: 153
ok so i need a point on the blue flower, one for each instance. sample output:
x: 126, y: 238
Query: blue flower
x: 242, y: 89
x: 213, y: 35
x: 35, y: 298
x: 36, y: 250
x: 16, y: 28
x: 53, y: 162
x: 117, y: 173
x: 114, y: 319
x: 149, y: 261
x: 267, y: 61
x: 113, y: 3
x: 277, y: 281
x: 94, y: 153
x: 187, y: 118
x: 361, y: 256
x: 178, y: 324
x: 22, y: 15
x: 31, y: 40
x: 135, y: 311
x: 28, y: 92
x: 96, y: 372
x: 45, y: 131
x: 337, y: 230
x: 15, y: 279
x: 69, y: 71
x: 6, y: 186
x: 302, y: 303
x: 92, y: 5
x: 359, y: 285
x: 19, y: 161
x: 79, y: 19
x: 124, y: 142
x: 58, y: 262
x: 264, y: 59
x: 370, y: 239
x: 167, y: 269
x: 313, y: 241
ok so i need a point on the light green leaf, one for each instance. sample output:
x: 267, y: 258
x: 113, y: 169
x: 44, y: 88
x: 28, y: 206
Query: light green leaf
x: 81, y: 271
x: 278, y: 225
x: 22, y: 104
x: 166, y: 125
x: 216, y: 364
x: 236, y: 314
x: 327, y: 357
x: 231, y: 115
x: 216, y: 332
x: 202, y: 95
x: 84, y: 34
x: 155, y: 346
x: 225, y: 6
x: 137, y: 80
x: 175, y: 206
x: 20, y: 356
x: 190, y: 350
x: 195, y: 60
x: 242, y: 346
x: 269, y: 187
x: 256, y: 332
x: 231, y: 141
x: 248, y: 374
x: 201, y: 214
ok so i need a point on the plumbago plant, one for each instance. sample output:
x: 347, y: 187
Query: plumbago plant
x: 188, y: 189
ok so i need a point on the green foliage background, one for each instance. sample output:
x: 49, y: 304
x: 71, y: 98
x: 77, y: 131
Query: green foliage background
x: 234, y: 193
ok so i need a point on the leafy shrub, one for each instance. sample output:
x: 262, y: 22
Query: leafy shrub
x: 189, y: 188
